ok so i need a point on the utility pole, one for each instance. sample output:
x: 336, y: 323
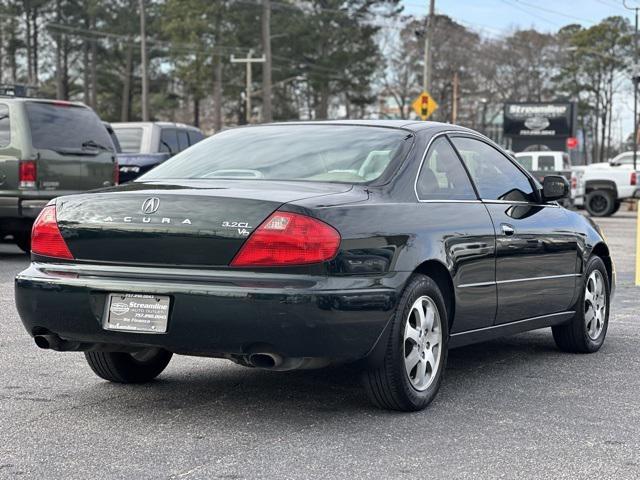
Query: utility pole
x: 454, y: 108
x: 635, y: 78
x: 144, y: 61
x: 267, y: 115
x: 248, y: 61
x: 428, y: 41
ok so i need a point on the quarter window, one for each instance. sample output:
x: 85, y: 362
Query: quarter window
x: 5, y: 126
x: 493, y: 173
x: 442, y: 176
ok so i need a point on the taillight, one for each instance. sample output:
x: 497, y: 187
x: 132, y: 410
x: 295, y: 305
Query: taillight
x: 46, y: 238
x: 116, y: 172
x: 28, y: 174
x: 288, y: 239
x: 634, y: 178
x: 574, y: 182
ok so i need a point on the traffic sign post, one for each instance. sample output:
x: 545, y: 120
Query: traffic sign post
x: 424, y: 105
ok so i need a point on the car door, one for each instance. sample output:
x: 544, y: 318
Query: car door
x: 536, y: 255
x: 454, y: 220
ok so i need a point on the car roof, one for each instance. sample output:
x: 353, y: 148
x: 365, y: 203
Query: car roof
x: 412, y: 125
x: 7, y: 98
x: 149, y: 124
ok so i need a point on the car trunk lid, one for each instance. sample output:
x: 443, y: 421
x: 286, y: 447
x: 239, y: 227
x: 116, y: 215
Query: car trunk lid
x: 194, y: 223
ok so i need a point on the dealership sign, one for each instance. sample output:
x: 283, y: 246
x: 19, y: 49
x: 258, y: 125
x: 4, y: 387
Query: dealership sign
x: 538, y: 119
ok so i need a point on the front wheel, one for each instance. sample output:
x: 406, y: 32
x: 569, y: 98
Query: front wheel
x: 412, y: 370
x: 586, y: 332
x: 120, y: 367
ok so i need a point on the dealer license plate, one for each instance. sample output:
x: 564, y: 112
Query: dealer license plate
x: 137, y: 313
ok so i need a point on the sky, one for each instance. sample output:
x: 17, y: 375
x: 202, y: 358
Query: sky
x: 495, y: 18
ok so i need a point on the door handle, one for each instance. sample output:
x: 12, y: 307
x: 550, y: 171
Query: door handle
x: 508, y: 230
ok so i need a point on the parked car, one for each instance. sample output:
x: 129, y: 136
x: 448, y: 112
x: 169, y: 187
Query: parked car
x: 48, y: 148
x: 543, y: 163
x: 602, y: 187
x: 293, y: 246
x: 146, y: 145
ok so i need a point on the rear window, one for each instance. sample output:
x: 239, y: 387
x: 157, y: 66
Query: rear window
x: 526, y: 161
x: 130, y: 139
x: 316, y: 153
x: 66, y: 127
x: 546, y: 163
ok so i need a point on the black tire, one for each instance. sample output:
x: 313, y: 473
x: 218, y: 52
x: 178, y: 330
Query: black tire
x: 389, y: 385
x: 616, y: 207
x: 574, y: 336
x: 23, y: 241
x: 122, y: 367
x: 600, y: 203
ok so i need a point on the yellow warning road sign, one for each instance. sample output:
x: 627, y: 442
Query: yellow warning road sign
x: 424, y: 105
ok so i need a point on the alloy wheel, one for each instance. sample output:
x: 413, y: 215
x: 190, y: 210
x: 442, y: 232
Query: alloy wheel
x: 595, y: 304
x: 422, y: 343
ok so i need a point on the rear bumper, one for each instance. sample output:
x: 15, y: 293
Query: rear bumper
x: 215, y: 313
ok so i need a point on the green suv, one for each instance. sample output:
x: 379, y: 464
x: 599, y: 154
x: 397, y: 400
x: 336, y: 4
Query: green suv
x: 47, y: 149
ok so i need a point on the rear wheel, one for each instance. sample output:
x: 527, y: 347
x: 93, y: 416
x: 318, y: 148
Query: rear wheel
x: 587, y: 331
x: 120, y: 367
x: 412, y: 371
x: 600, y: 203
x: 616, y: 207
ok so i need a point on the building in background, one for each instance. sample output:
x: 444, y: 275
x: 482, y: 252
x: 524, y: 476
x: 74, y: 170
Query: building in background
x: 543, y: 126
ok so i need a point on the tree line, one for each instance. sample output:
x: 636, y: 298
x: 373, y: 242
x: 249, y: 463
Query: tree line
x: 329, y: 59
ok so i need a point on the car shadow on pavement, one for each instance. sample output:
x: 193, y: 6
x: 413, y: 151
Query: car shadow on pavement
x: 9, y: 251
x: 226, y: 390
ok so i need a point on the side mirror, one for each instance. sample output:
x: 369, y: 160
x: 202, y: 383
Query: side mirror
x: 554, y: 187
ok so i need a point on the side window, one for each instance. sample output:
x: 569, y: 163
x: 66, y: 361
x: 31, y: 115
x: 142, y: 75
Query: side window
x: 5, y: 126
x: 442, y: 176
x: 493, y: 173
x: 526, y: 161
x: 183, y: 139
x: 194, y: 137
x: 169, y: 141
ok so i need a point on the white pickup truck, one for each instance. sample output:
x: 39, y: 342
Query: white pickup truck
x: 602, y: 187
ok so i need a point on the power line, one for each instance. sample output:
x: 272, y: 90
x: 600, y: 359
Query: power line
x: 555, y: 12
x: 540, y: 17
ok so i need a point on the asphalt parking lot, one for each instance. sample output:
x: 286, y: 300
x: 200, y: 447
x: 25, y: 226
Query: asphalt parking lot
x: 512, y: 408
